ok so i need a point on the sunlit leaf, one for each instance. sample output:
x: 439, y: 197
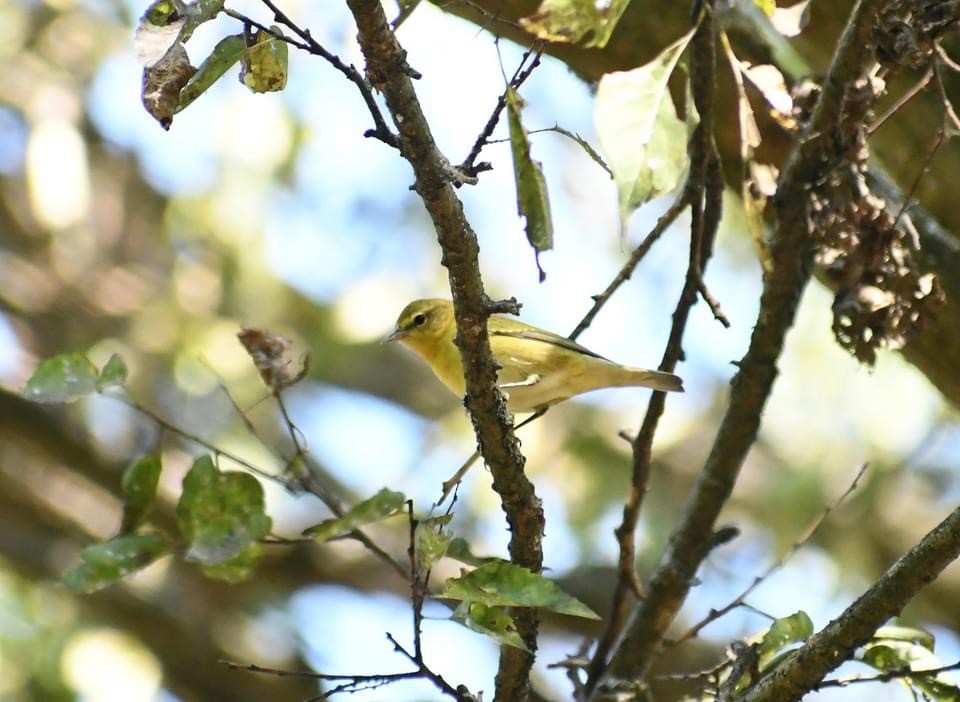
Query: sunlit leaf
x: 162, y: 83
x: 906, y: 633
x: 384, y: 504
x: 221, y: 516
x: 107, y: 562
x: 911, y: 653
x: 575, y: 21
x: 63, y: 378
x: 533, y: 204
x: 430, y: 542
x: 494, y: 622
x: 113, y: 374
x: 139, y: 486
x: 503, y: 584
x: 785, y: 631
x: 225, y: 54
x: 644, y: 140
x: 264, y: 67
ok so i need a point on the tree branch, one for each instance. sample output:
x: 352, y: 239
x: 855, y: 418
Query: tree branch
x: 704, y: 193
x: 387, y: 70
x: 830, y: 647
x: 792, y: 254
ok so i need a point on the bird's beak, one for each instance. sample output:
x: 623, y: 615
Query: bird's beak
x: 395, y: 335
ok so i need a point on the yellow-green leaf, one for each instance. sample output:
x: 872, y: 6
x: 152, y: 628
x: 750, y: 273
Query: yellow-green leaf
x: 264, y: 67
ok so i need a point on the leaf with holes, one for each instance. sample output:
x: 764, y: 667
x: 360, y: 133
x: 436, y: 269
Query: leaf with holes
x: 221, y: 517
x: 264, y: 67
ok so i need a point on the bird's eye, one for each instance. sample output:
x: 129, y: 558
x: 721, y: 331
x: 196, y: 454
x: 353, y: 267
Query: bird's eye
x: 419, y: 320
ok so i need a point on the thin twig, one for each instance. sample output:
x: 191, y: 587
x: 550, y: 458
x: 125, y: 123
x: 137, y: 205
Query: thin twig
x: 380, y: 131
x: 665, y: 220
x: 469, y: 165
x: 704, y: 193
x: 792, y: 251
x: 901, y: 101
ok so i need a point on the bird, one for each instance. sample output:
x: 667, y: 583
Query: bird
x: 538, y: 368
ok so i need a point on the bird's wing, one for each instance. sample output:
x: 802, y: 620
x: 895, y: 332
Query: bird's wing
x: 501, y: 326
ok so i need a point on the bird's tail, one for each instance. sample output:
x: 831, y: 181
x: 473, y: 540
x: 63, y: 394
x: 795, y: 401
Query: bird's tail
x: 641, y: 377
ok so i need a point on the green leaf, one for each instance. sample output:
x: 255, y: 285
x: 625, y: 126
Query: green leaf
x: 494, y: 622
x: 785, y: 631
x: 644, y: 140
x: 63, y: 378
x: 575, y: 21
x: 503, y: 584
x: 265, y: 63
x: 459, y: 549
x: 533, y: 204
x: 430, y: 543
x: 225, y: 54
x: 113, y: 374
x: 767, y: 6
x: 107, y: 562
x: 384, y: 504
x: 222, y: 519
x: 140, y: 489
x: 892, y: 654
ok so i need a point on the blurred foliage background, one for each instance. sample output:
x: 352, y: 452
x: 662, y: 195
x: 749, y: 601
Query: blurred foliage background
x: 273, y: 211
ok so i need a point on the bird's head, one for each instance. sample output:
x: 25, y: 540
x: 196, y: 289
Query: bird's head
x: 424, y: 324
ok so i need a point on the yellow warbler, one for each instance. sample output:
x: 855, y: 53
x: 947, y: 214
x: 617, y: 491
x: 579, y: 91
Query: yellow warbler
x: 538, y: 368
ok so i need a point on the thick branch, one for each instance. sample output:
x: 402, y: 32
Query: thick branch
x: 827, y: 649
x: 388, y: 72
x: 792, y: 255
